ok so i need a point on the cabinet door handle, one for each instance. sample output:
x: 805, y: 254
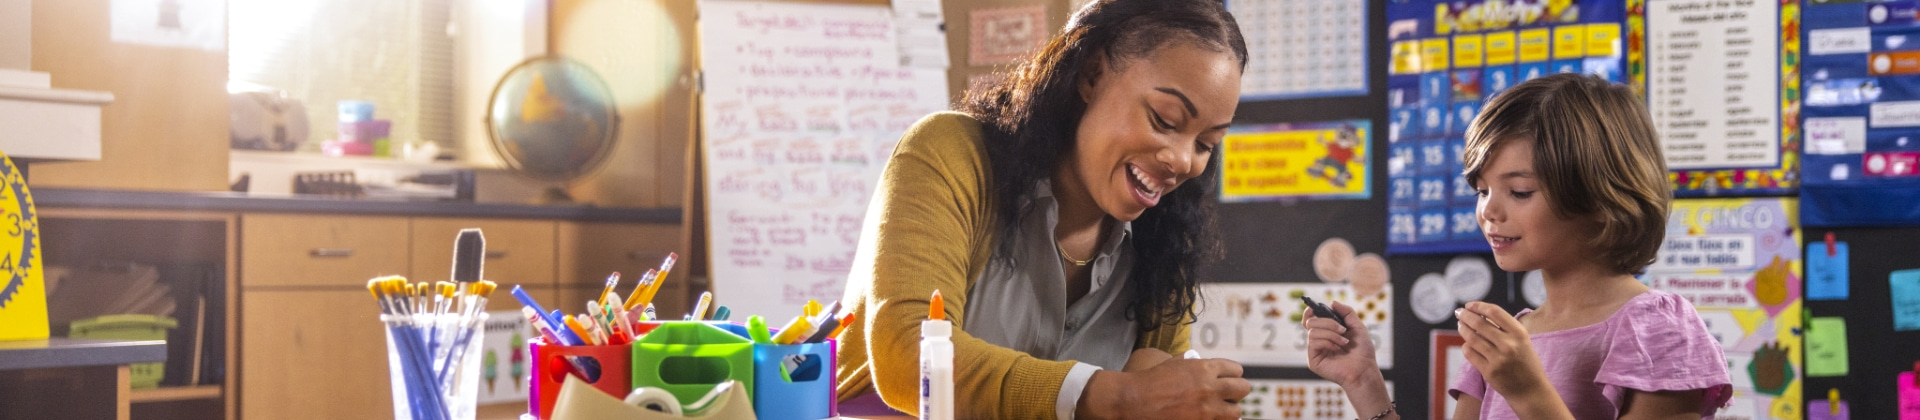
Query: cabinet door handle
x: 330, y: 253
x: 639, y: 255
x: 496, y: 254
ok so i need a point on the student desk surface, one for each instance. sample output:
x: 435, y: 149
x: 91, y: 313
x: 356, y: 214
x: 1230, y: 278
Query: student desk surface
x: 38, y: 377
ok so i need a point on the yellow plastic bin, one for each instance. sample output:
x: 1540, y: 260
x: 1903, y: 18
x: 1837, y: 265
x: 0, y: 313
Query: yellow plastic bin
x: 130, y: 327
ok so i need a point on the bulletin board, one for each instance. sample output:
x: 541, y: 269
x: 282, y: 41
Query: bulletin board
x: 1862, y: 115
x: 1876, y: 349
x: 1447, y: 57
x: 1723, y: 84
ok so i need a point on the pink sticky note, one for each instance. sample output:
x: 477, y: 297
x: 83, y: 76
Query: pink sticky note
x: 1819, y: 410
x: 1909, y: 397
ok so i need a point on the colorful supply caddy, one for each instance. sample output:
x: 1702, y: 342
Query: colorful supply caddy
x: 694, y: 368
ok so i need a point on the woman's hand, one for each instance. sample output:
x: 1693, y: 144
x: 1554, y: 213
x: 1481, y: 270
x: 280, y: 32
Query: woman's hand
x: 1499, y: 347
x: 1343, y: 355
x: 1169, y: 389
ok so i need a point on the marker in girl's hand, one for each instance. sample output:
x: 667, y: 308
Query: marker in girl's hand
x: 1191, y: 354
x: 1462, y: 311
x: 1323, y: 311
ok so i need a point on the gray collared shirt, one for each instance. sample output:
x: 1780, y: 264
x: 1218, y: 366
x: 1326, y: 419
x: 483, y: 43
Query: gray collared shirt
x: 1021, y: 303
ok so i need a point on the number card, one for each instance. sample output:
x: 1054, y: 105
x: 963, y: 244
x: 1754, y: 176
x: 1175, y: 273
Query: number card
x: 1258, y: 324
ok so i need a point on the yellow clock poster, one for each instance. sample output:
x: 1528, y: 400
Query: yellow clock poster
x: 1319, y: 160
x: 23, y: 293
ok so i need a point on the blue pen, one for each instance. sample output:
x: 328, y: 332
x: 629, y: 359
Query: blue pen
x: 722, y: 313
x: 567, y: 337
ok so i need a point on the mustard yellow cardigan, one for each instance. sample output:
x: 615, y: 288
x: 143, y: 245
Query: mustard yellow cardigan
x: 932, y: 226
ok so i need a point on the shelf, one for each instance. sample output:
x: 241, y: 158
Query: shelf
x: 201, y: 392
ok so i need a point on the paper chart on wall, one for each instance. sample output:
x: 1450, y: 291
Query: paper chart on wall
x: 1294, y: 399
x: 1738, y: 261
x: 1712, y: 84
x: 1303, y: 48
x: 802, y: 106
x: 1258, y: 324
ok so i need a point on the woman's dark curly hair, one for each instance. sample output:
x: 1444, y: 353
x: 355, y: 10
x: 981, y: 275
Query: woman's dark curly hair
x: 1031, y: 117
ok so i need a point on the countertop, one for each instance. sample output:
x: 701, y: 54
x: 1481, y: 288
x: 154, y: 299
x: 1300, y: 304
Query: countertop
x: 71, y: 352
x: 226, y: 201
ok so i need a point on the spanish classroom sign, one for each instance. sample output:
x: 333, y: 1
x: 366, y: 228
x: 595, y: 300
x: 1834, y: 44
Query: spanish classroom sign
x: 1319, y: 160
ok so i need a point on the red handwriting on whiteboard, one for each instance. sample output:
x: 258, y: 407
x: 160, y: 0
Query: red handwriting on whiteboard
x: 804, y: 152
x: 765, y: 23
x: 825, y: 290
x: 849, y: 229
x: 833, y: 265
x: 816, y: 71
x: 856, y: 29
x: 773, y: 118
x: 823, y: 118
x: 830, y: 53
x: 728, y: 118
x: 849, y: 151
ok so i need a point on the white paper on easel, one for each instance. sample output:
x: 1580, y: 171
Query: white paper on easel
x: 923, y: 33
x: 803, y: 104
x: 1258, y: 324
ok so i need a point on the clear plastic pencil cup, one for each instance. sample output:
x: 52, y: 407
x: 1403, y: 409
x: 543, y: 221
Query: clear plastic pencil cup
x: 434, y: 365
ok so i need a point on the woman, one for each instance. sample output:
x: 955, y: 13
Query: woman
x: 1052, y: 214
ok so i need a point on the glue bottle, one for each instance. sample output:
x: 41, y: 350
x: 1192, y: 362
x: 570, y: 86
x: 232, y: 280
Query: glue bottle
x: 936, y: 363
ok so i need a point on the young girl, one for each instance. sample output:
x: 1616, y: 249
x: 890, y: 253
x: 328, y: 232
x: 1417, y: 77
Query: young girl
x: 1571, y: 183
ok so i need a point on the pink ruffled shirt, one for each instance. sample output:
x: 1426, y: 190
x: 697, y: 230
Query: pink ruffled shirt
x: 1655, y: 342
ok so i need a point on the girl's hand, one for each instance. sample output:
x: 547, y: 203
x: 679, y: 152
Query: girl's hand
x: 1341, y: 355
x: 1499, y: 347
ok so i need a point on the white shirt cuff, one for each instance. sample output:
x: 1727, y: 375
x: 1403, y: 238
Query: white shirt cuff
x: 1071, y: 388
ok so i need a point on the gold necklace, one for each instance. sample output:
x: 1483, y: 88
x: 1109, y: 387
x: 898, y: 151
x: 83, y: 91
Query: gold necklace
x: 1076, y: 263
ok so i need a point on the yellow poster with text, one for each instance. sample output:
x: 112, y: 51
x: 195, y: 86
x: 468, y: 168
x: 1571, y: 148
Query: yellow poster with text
x: 1433, y: 53
x: 1603, y: 40
x: 1467, y: 50
x: 1321, y: 160
x: 23, y: 291
x: 1569, y: 41
x: 1500, y: 48
x: 1535, y: 45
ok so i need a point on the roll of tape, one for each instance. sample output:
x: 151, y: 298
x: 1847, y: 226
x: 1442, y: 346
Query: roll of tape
x: 655, y: 399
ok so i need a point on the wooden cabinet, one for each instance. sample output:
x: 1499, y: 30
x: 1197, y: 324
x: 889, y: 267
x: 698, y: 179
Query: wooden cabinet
x: 304, y: 250
x: 311, y: 336
x: 316, y: 354
x: 299, y: 335
x: 519, y: 252
x: 590, y: 251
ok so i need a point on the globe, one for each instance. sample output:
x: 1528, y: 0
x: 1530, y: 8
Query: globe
x: 552, y: 118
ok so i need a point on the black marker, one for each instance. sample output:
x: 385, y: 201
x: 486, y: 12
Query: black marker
x: 1323, y: 311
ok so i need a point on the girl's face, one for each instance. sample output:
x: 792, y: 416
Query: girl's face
x: 1152, y: 125
x: 1517, y: 219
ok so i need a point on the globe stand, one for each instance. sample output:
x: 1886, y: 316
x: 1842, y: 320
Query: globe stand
x: 554, y: 196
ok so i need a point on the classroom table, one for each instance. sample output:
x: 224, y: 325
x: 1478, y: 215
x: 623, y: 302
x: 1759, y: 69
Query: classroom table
x: 71, y: 378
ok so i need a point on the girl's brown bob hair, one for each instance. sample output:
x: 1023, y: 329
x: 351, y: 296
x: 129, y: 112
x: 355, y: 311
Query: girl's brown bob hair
x: 1595, y: 153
